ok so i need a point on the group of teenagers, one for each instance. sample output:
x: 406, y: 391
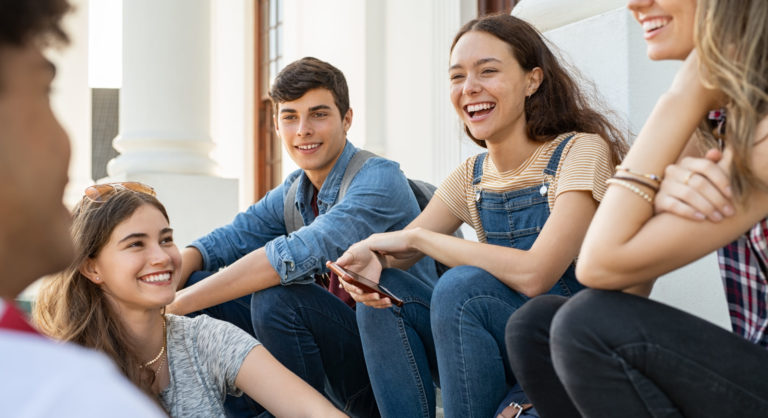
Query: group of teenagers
x: 548, y: 307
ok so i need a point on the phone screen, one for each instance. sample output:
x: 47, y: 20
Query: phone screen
x: 363, y: 283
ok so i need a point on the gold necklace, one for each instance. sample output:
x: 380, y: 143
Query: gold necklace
x: 162, y: 350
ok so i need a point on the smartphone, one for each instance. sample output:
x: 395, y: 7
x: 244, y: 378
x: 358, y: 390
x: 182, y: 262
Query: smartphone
x: 363, y: 283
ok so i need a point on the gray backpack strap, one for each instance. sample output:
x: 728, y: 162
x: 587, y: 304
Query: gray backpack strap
x: 291, y: 215
x: 354, y: 165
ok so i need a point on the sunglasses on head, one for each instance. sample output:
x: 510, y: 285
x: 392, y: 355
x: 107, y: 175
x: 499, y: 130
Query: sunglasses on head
x: 101, y: 192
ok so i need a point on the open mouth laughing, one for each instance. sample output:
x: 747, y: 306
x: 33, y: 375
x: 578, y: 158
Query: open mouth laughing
x: 477, y: 111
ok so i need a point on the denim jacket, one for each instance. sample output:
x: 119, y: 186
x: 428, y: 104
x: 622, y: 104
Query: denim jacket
x: 378, y: 200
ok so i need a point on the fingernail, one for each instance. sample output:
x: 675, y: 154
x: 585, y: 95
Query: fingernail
x: 699, y: 216
x: 716, y: 216
x: 728, y: 210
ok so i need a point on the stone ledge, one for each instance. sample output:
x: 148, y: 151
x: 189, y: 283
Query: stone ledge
x: 552, y: 14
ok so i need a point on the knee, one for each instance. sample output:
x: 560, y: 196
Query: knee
x: 528, y: 327
x: 582, y: 320
x: 270, y: 303
x: 451, y: 290
x: 368, y: 318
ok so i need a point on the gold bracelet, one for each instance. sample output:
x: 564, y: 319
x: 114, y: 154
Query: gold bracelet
x: 652, y: 177
x: 631, y: 187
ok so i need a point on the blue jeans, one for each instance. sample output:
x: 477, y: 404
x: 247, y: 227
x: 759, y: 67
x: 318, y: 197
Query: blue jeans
x: 312, y: 333
x: 399, y: 350
x: 315, y: 335
x: 469, y: 312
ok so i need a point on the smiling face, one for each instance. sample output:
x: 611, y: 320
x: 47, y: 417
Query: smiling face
x: 138, y: 267
x: 313, y: 131
x: 34, y: 158
x: 488, y: 86
x: 667, y: 26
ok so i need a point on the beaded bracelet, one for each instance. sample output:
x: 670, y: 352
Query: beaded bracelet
x: 641, y: 182
x: 651, y: 177
x: 631, y: 187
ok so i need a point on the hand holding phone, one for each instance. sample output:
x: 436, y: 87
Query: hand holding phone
x: 366, y: 284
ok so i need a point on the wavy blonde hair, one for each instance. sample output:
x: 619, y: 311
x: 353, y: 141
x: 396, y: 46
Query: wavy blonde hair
x: 732, y: 40
x: 70, y: 307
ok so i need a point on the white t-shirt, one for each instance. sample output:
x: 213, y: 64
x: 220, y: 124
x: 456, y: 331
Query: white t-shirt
x: 43, y: 378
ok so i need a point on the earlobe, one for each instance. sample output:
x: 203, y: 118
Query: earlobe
x: 535, y: 77
x: 347, y: 122
x: 90, y: 271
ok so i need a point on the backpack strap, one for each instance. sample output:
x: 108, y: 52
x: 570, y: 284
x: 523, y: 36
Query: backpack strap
x: 291, y: 214
x: 354, y: 165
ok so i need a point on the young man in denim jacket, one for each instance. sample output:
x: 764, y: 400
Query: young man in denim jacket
x: 275, y: 284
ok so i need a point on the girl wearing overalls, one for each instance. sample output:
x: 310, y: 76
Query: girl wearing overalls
x: 530, y: 199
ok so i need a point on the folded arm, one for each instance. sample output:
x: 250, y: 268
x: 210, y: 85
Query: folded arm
x: 627, y: 244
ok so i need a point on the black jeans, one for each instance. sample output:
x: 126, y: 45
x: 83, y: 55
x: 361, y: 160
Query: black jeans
x: 610, y: 354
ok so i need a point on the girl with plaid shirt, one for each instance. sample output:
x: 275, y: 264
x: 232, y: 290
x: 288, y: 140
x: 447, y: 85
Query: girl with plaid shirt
x: 609, y: 352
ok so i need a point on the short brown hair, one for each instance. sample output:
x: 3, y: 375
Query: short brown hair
x: 22, y: 21
x: 306, y: 74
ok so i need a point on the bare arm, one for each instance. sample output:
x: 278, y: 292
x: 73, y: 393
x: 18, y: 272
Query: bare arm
x: 280, y: 391
x: 191, y: 261
x: 247, y: 275
x: 531, y: 272
x: 626, y: 244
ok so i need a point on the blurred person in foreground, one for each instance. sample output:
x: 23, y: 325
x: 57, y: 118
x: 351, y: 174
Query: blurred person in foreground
x: 40, y: 377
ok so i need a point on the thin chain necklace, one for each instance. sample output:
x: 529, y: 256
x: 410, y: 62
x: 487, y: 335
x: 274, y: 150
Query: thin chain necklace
x: 162, y: 351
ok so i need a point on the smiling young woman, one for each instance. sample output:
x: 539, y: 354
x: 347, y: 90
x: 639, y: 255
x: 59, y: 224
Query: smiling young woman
x: 113, y: 296
x: 529, y: 198
x: 607, y: 351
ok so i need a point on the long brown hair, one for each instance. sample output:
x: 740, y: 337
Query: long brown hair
x: 71, y: 308
x: 732, y: 40
x: 558, y: 106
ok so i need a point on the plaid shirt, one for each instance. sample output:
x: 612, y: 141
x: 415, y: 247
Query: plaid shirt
x: 743, y: 266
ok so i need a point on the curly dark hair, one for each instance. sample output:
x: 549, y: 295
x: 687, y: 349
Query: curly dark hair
x: 22, y: 21
x: 307, y: 74
x: 559, y: 105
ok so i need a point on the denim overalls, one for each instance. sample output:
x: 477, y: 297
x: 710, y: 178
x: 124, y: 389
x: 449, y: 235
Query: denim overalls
x: 460, y: 324
x: 470, y: 307
x: 515, y: 219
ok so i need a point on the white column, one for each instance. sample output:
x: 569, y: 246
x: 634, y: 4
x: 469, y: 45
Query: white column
x: 603, y: 41
x: 164, y: 137
x: 164, y: 100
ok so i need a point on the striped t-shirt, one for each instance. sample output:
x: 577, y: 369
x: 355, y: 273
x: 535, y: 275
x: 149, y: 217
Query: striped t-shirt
x: 584, y: 165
